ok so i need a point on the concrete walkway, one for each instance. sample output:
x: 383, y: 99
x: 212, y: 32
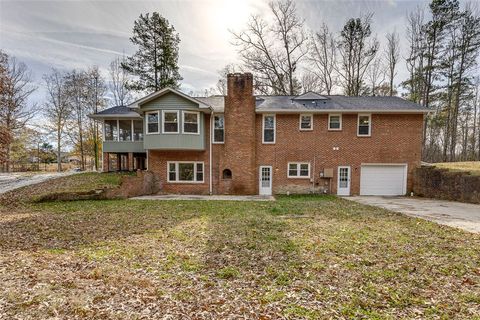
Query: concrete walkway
x: 465, y: 216
x: 208, y: 198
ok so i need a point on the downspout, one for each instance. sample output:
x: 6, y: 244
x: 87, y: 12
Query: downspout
x: 210, y: 186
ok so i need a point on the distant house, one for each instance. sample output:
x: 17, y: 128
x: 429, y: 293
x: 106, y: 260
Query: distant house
x: 246, y: 144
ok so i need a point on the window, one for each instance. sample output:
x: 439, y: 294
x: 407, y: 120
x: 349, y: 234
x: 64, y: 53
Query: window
x: 185, y: 172
x: 152, y: 122
x: 299, y: 170
x: 306, y: 122
x: 218, y: 129
x: 364, y: 125
x: 170, y: 122
x: 138, y: 130
x: 191, y: 122
x: 268, y: 128
x: 110, y: 130
x: 227, y: 174
x: 334, y: 122
x: 125, y: 130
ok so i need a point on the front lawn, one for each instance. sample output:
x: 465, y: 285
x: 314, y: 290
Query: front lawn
x: 299, y: 257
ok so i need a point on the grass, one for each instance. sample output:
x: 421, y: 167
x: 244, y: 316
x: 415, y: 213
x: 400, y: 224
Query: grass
x: 82, y: 182
x: 472, y: 166
x: 301, y: 257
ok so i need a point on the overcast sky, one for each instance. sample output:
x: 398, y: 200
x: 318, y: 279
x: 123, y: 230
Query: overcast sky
x: 78, y: 34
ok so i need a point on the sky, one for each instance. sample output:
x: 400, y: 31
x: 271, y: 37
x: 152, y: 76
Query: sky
x: 78, y: 34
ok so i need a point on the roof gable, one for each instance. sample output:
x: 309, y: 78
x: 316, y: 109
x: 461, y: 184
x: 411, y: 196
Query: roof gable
x: 160, y: 93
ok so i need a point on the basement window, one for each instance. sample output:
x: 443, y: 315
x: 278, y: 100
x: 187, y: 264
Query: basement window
x: 299, y: 170
x: 364, y: 125
x: 186, y: 172
x: 227, y: 174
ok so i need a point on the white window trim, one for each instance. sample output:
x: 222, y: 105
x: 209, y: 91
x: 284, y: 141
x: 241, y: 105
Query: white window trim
x: 177, y: 172
x: 274, y: 128
x: 163, y: 121
x: 300, y: 121
x: 213, y: 129
x: 146, y: 122
x: 198, y: 122
x: 369, y: 124
x: 340, y: 117
x: 298, y: 176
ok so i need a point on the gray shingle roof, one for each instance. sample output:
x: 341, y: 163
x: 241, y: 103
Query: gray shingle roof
x: 337, y: 103
x: 120, y: 111
x: 309, y: 96
x: 216, y: 102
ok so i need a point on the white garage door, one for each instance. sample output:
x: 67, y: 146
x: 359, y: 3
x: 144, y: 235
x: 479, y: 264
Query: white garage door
x: 383, y: 180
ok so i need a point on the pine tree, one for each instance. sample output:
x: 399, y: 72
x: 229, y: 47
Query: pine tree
x: 155, y: 64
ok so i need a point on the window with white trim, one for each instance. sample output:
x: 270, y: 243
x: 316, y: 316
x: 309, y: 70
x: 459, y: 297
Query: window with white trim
x: 268, y: 134
x: 153, y: 121
x: 299, y: 170
x: 170, y: 121
x: 306, y: 122
x: 364, y: 125
x: 191, y: 122
x: 219, y: 128
x: 334, y: 122
x: 185, y: 171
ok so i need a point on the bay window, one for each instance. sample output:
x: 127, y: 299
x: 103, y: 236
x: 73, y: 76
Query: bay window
x: 170, y: 122
x: 191, y: 122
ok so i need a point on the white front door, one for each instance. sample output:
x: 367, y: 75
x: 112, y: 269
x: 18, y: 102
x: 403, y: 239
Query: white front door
x: 265, y: 180
x: 343, y: 185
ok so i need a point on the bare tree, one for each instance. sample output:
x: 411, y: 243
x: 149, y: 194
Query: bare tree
x: 221, y: 86
x: 311, y: 82
x: 15, y: 111
x: 273, y: 52
x: 392, y: 56
x: 96, y: 89
x: 119, y: 78
x: 57, y: 109
x: 323, y: 57
x: 375, y: 75
x: 356, y: 51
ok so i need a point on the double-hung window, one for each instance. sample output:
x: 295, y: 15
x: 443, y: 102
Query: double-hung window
x: 185, y: 172
x: 191, y: 122
x: 218, y: 128
x: 299, y: 170
x: 364, y: 125
x: 306, y: 122
x: 335, y: 122
x: 153, y: 121
x: 268, y: 134
x: 169, y: 121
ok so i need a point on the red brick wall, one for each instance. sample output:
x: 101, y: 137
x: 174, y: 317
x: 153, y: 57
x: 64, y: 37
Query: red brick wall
x: 395, y: 139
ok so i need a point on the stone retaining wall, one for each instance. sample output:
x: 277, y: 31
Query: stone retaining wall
x: 443, y: 184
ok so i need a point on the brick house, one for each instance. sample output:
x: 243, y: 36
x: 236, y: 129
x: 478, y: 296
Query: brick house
x: 246, y: 144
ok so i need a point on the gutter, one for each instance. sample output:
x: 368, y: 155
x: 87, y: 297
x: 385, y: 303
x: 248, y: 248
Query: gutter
x: 210, y: 185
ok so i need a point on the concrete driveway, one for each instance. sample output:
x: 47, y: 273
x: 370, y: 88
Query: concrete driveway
x: 12, y: 181
x: 465, y: 216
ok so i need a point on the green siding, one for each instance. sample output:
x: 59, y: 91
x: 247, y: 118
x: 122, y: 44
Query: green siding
x: 123, y: 146
x: 169, y: 101
x: 177, y: 141
x: 172, y: 101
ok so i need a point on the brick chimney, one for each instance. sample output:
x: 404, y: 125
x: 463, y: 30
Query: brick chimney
x: 239, y: 154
